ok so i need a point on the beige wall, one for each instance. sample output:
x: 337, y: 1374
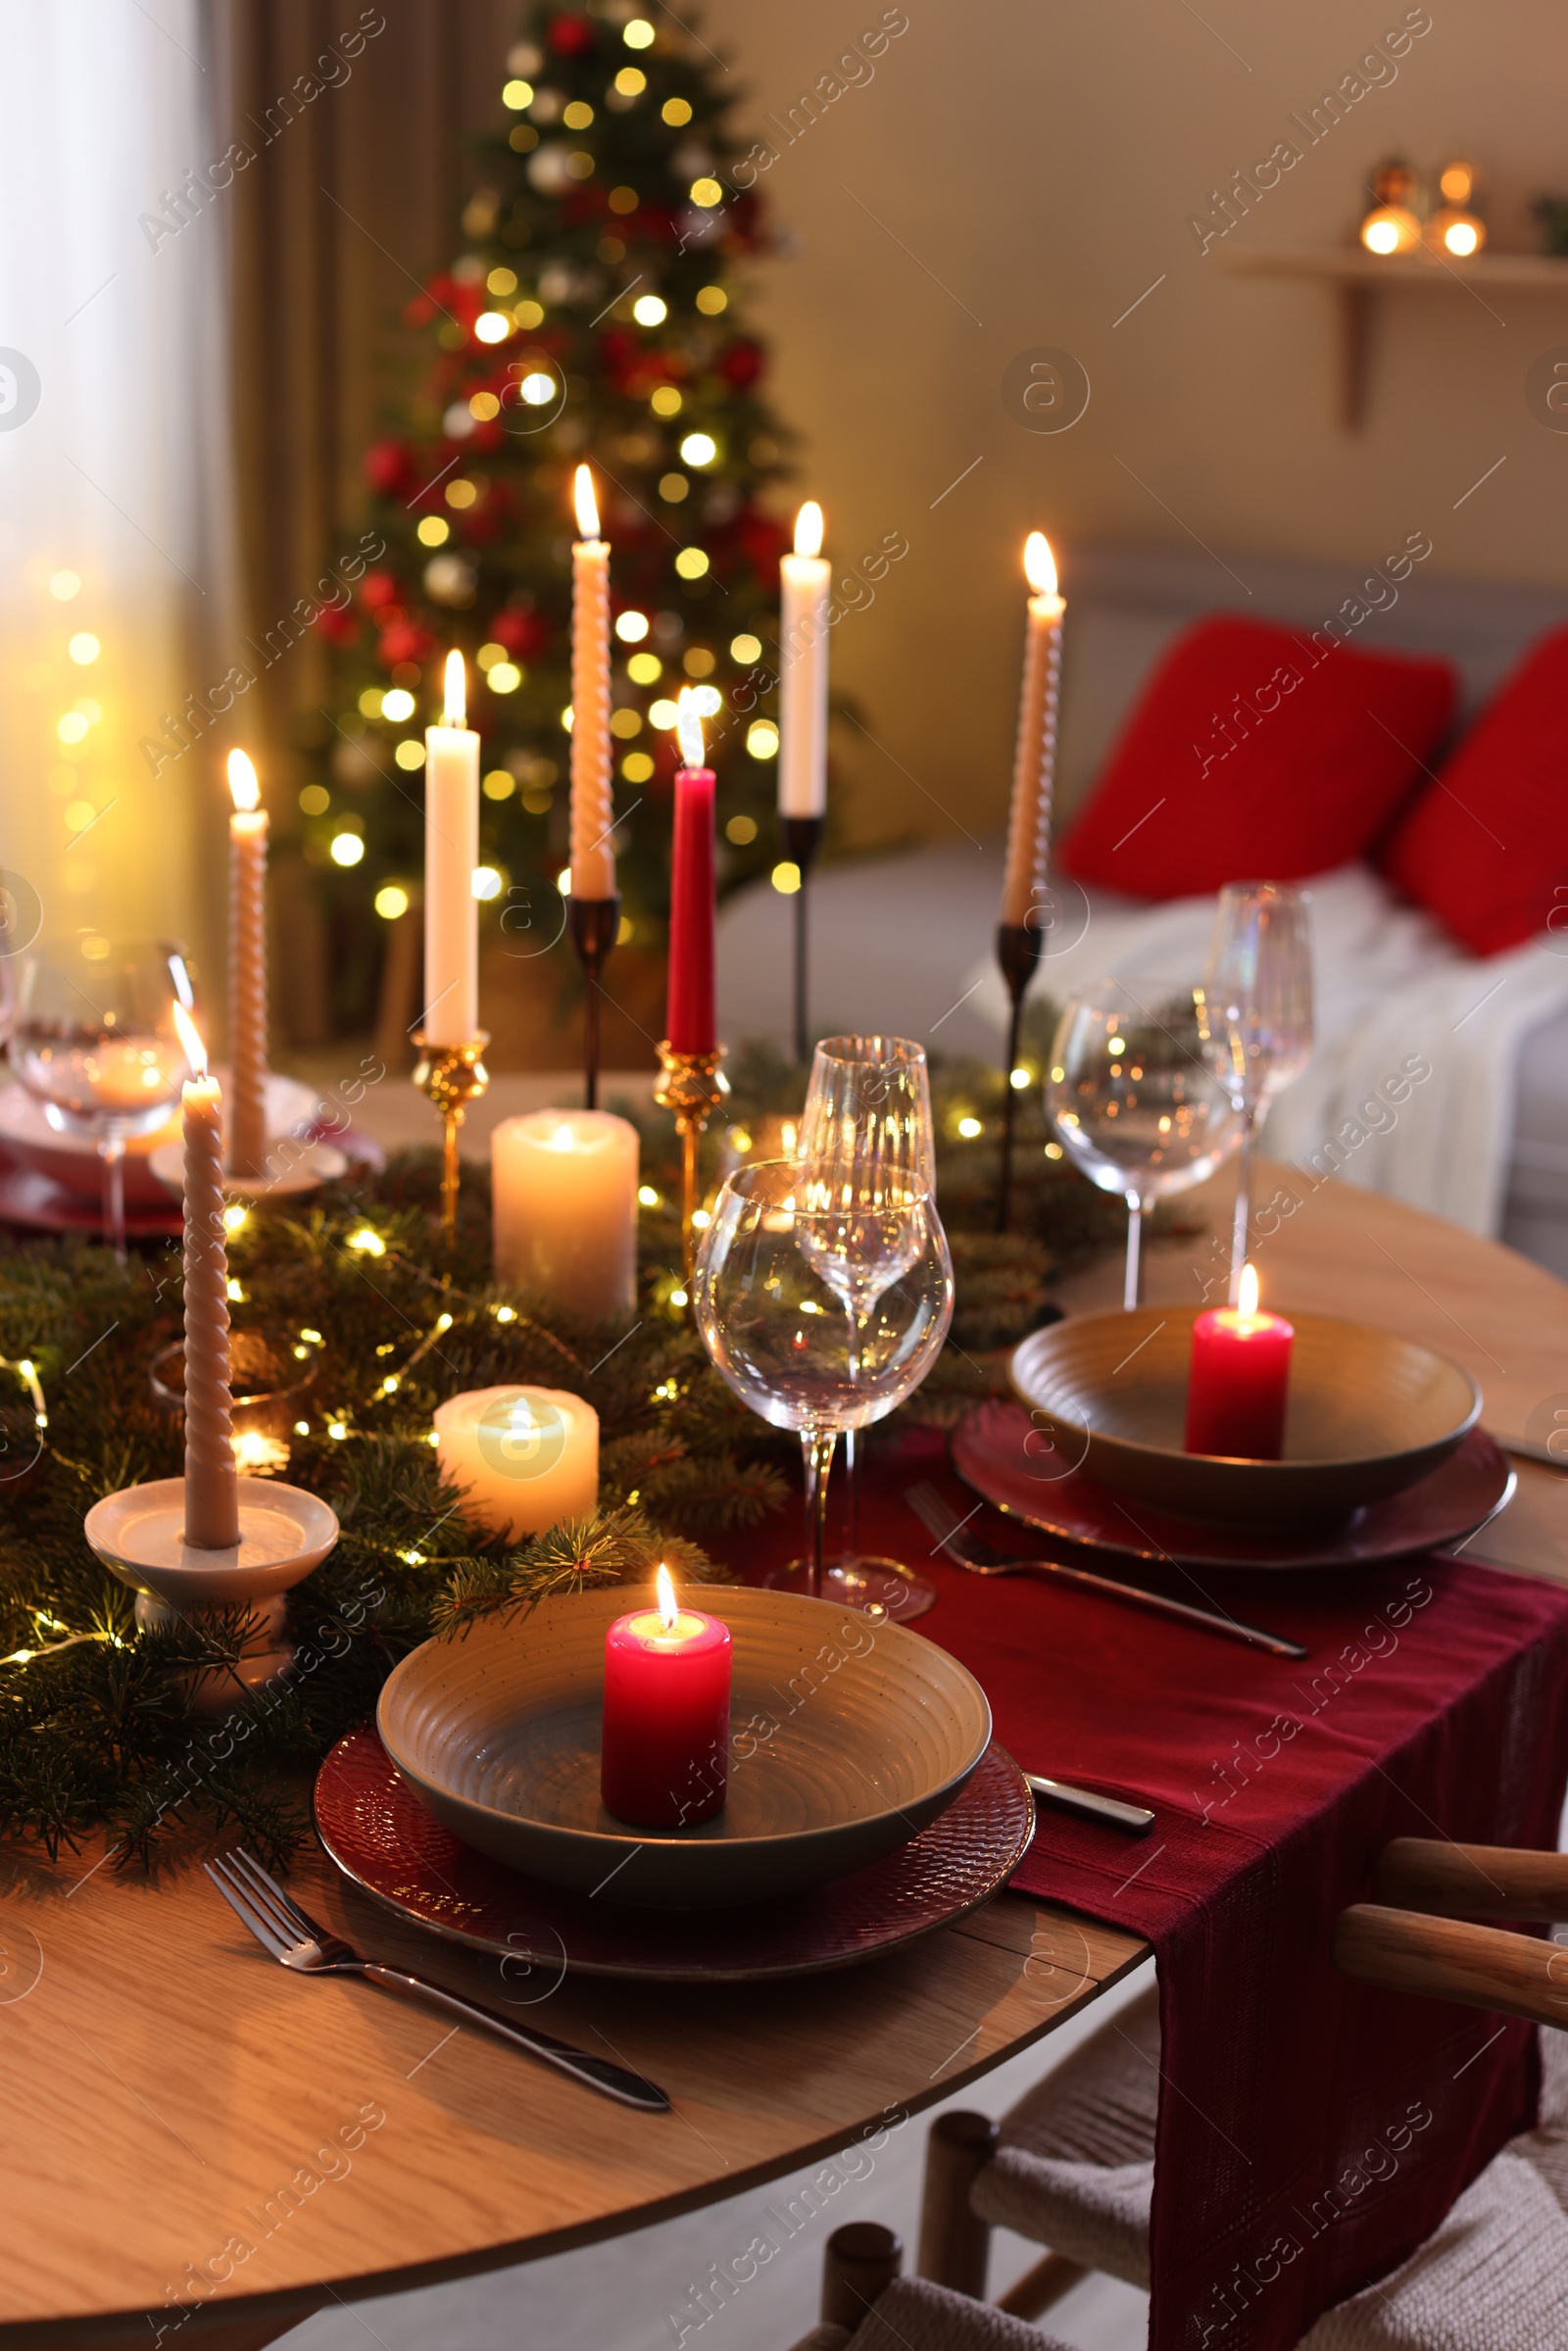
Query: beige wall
x: 1041, y: 159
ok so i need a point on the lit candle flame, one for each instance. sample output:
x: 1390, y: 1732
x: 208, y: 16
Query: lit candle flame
x: 247, y: 792
x: 560, y: 1140
x: 808, y: 530
x: 668, y: 1605
x: 191, y: 1045
x: 689, y: 729
x: 455, y: 707
x: 587, y: 504
x: 1246, y: 1293
x: 1038, y: 563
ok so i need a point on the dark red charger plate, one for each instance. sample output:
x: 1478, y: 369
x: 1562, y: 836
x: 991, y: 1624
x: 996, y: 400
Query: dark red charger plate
x: 383, y: 1840
x: 1455, y: 1501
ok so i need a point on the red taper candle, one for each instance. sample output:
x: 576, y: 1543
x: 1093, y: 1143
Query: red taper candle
x: 664, y: 1753
x: 690, y: 1023
x: 1239, y: 1385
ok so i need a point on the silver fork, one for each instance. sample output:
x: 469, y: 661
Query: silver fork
x: 981, y: 1558
x: 296, y: 1940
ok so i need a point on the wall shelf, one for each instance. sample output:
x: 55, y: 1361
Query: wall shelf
x: 1354, y: 278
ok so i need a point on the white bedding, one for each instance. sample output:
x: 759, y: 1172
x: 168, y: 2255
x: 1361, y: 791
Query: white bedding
x: 1395, y: 996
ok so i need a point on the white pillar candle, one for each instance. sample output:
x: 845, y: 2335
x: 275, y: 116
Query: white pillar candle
x: 593, y: 859
x: 451, y: 854
x: 803, y: 671
x: 564, y: 1186
x: 525, y: 1457
x: 1034, y: 766
x: 247, y: 971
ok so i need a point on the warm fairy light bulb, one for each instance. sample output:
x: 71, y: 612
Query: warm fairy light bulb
x: 1246, y: 1293
x: 247, y: 792
x: 586, y: 504
x: 689, y: 729
x: 455, y: 707
x: 808, y: 530
x: 1038, y: 563
x: 195, y: 1052
x: 668, y: 1605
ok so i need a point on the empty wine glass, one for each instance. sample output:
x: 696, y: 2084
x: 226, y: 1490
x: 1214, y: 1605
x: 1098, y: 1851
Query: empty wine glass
x: 1134, y: 1099
x: 93, y: 1041
x: 866, y: 1137
x: 782, y: 1336
x: 1257, y: 1014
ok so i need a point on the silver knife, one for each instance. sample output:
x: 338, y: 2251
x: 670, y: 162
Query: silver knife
x: 1136, y: 1819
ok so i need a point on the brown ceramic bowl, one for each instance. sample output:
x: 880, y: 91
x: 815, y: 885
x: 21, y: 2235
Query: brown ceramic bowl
x: 1368, y: 1414
x: 849, y: 1735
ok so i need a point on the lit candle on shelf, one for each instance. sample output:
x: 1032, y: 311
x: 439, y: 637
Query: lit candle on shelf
x: 1240, y: 1380
x: 593, y: 859
x: 566, y: 1208
x: 803, y: 670
x: 524, y: 1457
x: 451, y: 854
x: 247, y: 971
x: 690, y: 1020
x: 665, y: 1749
x: 212, y: 1485
x: 1034, y: 763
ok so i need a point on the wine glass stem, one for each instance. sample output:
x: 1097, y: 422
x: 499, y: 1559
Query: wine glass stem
x: 1135, y: 1239
x: 852, y: 1474
x: 817, y: 1449
x: 1244, y: 1202
x: 113, y: 1152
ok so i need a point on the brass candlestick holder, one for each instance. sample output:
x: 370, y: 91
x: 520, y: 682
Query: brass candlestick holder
x: 692, y: 1086
x: 451, y: 1076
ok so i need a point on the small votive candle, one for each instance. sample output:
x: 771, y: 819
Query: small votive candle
x: 1239, y: 1385
x: 524, y: 1457
x: 665, y: 1750
x: 565, y: 1186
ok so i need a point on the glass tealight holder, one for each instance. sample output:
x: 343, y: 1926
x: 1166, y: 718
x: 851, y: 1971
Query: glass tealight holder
x: 270, y: 1376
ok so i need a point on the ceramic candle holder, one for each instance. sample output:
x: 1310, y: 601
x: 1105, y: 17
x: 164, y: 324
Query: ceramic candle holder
x: 139, y: 1535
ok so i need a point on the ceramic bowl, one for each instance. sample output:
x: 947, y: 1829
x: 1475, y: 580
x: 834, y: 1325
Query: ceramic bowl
x: 1370, y: 1413
x: 30, y: 1141
x: 848, y: 1736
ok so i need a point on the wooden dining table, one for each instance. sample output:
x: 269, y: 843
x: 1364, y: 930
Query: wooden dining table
x: 192, y: 2132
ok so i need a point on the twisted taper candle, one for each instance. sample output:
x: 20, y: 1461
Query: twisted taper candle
x: 592, y: 856
x: 247, y: 992
x: 212, y: 1485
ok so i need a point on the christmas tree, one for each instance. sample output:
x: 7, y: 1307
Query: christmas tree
x: 593, y: 313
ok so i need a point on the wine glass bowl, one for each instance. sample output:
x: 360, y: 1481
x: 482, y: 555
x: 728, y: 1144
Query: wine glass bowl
x: 93, y: 1042
x: 1134, y: 1097
x: 1258, y: 1018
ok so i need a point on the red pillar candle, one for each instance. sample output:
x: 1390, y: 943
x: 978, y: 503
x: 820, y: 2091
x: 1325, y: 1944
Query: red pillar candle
x: 1238, y: 1388
x: 665, y: 1749
x: 690, y: 1024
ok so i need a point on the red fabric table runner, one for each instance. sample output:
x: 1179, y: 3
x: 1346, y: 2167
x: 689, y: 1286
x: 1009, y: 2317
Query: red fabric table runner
x: 1312, y: 2132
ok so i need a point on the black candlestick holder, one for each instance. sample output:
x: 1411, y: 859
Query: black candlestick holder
x: 1019, y: 945
x: 595, y: 925
x: 802, y: 837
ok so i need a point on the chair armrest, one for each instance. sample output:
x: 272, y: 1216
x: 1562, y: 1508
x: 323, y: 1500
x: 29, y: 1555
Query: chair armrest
x: 1447, y: 1959
x: 1418, y: 1873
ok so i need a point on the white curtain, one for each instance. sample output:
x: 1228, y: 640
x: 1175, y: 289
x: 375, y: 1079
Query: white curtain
x: 113, y: 462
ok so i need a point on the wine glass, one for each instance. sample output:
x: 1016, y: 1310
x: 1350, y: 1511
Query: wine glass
x: 783, y: 1335
x: 93, y: 1041
x: 865, y: 1133
x: 1257, y: 1014
x: 1134, y: 1099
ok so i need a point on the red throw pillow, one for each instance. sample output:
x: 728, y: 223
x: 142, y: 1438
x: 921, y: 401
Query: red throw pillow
x: 1257, y: 750
x: 1485, y: 849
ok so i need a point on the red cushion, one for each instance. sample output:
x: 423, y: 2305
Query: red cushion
x: 1257, y: 750
x: 1486, y: 848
